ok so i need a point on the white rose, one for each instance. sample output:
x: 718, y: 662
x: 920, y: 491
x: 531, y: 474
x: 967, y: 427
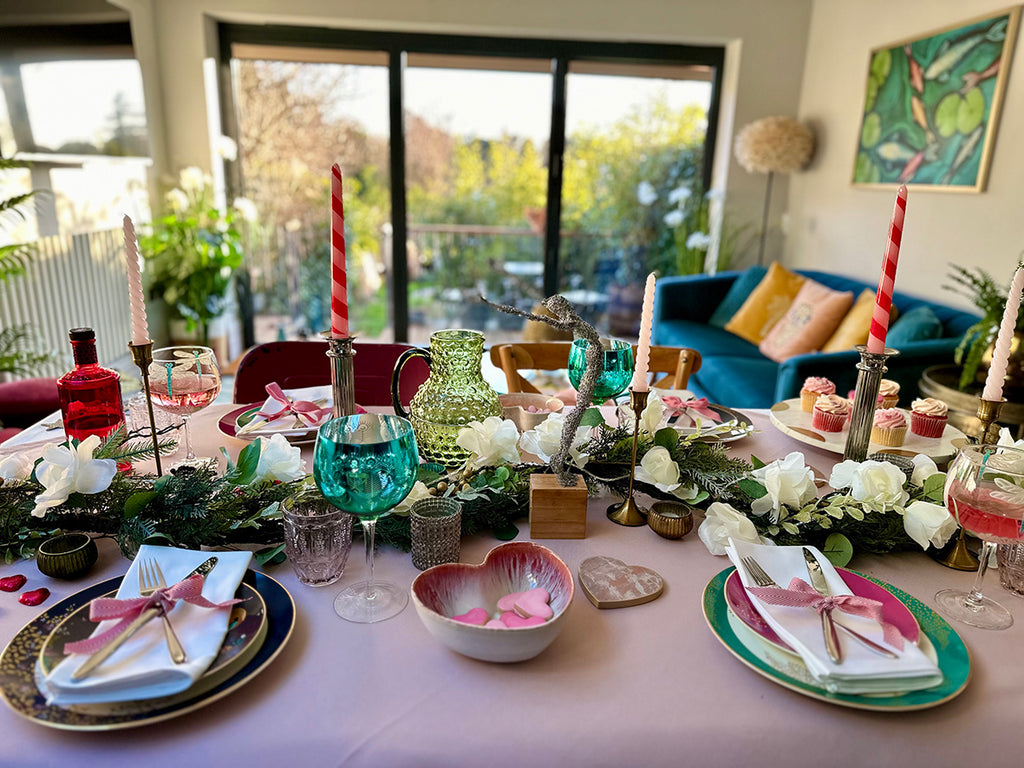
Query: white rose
x: 419, y: 491
x: 645, y: 193
x: 928, y: 523
x: 652, y: 418
x: 279, y: 460
x: 544, y: 440
x: 192, y: 179
x: 65, y: 470
x: 878, y: 484
x: 721, y: 523
x: 16, y: 467
x: 490, y: 442
x: 658, y: 469
x: 924, y: 468
x: 788, y: 481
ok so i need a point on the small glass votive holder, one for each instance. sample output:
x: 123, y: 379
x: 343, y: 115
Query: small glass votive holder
x: 436, y: 532
x: 905, y: 463
x: 137, y: 415
x: 317, y: 539
x: 1010, y: 559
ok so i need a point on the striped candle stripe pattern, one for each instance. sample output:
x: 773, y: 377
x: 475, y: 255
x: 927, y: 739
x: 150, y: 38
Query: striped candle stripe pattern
x: 883, y: 297
x: 339, y: 279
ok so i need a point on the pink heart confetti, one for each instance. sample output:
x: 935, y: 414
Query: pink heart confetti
x: 12, y: 583
x: 35, y: 597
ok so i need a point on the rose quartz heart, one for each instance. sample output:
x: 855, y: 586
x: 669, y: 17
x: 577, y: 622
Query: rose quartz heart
x: 610, y: 583
x: 512, y: 620
x: 477, y: 616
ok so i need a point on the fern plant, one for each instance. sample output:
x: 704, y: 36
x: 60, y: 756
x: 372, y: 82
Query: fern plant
x: 981, y: 289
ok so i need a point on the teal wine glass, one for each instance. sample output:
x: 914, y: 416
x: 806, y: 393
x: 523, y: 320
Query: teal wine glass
x: 365, y: 465
x: 616, y: 372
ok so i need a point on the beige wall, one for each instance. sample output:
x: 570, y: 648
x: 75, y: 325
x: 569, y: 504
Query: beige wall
x: 765, y: 42
x: 834, y: 226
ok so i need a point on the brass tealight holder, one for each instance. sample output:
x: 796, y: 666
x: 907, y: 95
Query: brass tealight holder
x: 343, y: 380
x: 142, y: 356
x: 628, y: 513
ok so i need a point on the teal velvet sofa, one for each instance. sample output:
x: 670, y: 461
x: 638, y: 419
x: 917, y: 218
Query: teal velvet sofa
x: 689, y: 311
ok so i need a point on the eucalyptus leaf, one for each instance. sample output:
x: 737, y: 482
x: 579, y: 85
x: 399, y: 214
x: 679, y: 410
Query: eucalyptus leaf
x: 838, y: 549
x: 592, y: 418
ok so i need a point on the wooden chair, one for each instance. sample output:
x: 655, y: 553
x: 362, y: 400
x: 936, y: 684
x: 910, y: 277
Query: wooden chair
x: 671, y: 366
x: 295, y: 364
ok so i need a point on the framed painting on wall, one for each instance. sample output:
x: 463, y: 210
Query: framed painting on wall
x: 931, y: 107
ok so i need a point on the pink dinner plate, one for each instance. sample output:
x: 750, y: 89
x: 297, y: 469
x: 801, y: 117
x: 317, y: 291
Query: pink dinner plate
x: 893, y: 611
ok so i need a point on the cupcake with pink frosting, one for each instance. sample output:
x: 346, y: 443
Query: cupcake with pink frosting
x: 889, y: 392
x: 830, y: 413
x: 928, y: 417
x: 813, y: 388
x: 889, y: 427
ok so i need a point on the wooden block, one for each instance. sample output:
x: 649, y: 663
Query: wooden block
x: 557, y: 512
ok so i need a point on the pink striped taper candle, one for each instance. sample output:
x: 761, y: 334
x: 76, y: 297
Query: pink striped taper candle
x: 339, y: 280
x: 883, y: 296
x: 136, y: 299
x: 1001, y: 354
x: 643, y: 349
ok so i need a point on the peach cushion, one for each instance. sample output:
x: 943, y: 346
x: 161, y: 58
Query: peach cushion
x: 853, y: 330
x: 812, y: 318
x: 766, y: 304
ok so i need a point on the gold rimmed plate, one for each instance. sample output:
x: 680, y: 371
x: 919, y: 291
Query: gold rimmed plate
x: 20, y: 659
x: 232, y: 422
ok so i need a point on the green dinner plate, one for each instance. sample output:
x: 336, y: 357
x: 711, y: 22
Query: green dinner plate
x: 949, y: 651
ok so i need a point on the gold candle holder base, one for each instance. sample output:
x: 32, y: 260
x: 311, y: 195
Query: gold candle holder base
x: 628, y: 513
x: 988, y: 414
x: 958, y: 557
x: 343, y: 380
x: 142, y: 356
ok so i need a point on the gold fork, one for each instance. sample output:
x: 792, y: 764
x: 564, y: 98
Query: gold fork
x: 151, y: 578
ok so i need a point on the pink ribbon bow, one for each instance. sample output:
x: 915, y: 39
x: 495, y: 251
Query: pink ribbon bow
x: 679, y: 407
x: 102, y: 608
x: 801, y: 595
x: 308, y: 412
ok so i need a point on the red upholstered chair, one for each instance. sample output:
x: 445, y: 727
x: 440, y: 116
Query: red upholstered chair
x: 294, y: 364
x: 24, y: 402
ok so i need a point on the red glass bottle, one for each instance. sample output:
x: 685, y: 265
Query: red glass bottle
x: 90, y: 395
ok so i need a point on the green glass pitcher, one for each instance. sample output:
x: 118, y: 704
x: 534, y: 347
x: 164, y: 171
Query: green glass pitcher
x: 454, y: 394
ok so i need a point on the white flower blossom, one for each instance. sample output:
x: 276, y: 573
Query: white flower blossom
x: 246, y: 208
x: 17, y: 466
x: 658, y: 469
x: 928, y: 523
x: 279, y: 460
x: 674, y: 218
x: 192, y: 179
x: 226, y: 147
x: 177, y: 200
x: 71, y: 469
x: 698, y: 241
x: 679, y: 195
x: 1006, y: 439
x: 721, y: 523
x: 490, y: 442
x: 544, y: 440
x: 714, y: 194
x: 878, y: 484
x: 646, y: 193
x: 788, y: 481
x: 419, y: 491
x: 652, y: 418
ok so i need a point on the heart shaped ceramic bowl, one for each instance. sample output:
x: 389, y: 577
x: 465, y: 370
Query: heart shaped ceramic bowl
x: 454, y: 588
x: 517, y: 408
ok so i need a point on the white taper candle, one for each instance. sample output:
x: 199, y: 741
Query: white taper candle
x: 136, y: 299
x: 643, y: 349
x: 1001, y: 354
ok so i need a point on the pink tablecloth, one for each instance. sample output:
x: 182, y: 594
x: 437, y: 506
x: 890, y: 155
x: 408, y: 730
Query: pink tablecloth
x: 642, y: 686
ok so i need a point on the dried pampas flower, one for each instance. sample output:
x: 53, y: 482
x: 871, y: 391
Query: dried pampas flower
x: 774, y: 144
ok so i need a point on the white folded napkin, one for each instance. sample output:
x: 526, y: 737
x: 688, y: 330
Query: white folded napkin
x: 862, y: 670
x: 142, y: 667
x: 286, y: 424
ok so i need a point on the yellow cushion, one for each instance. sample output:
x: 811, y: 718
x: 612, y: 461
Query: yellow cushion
x: 812, y: 318
x: 853, y: 330
x: 766, y: 304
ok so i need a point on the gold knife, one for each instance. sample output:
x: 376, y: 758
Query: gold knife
x: 142, y: 619
x: 828, y: 626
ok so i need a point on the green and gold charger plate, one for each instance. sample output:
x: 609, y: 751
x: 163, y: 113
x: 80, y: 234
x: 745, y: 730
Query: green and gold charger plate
x: 21, y: 659
x: 947, y: 648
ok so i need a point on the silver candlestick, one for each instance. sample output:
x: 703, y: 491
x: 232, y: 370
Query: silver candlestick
x: 870, y: 370
x: 343, y: 380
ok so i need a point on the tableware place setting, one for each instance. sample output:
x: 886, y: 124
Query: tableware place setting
x: 294, y: 413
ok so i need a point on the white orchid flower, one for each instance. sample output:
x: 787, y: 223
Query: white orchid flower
x: 646, y: 194
x: 279, y: 460
x: 928, y: 523
x: 71, y: 469
x: 419, y: 491
x: 878, y: 484
x: 490, y: 442
x: 722, y: 523
x: 788, y: 481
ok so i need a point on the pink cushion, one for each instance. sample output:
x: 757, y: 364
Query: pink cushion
x: 811, y: 320
x: 25, y: 401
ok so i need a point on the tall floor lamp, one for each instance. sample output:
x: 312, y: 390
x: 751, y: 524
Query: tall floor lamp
x: 773, y: 145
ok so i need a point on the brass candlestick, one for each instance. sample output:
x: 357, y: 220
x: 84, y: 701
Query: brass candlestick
x: 988, y: 414
x: 142, y: 356
x: 343, y: 380
x: 869, y: 376
x: 628, y: 513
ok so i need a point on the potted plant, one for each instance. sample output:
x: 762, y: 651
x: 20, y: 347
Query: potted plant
x: 193, y: 252
x: 974, y: 350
